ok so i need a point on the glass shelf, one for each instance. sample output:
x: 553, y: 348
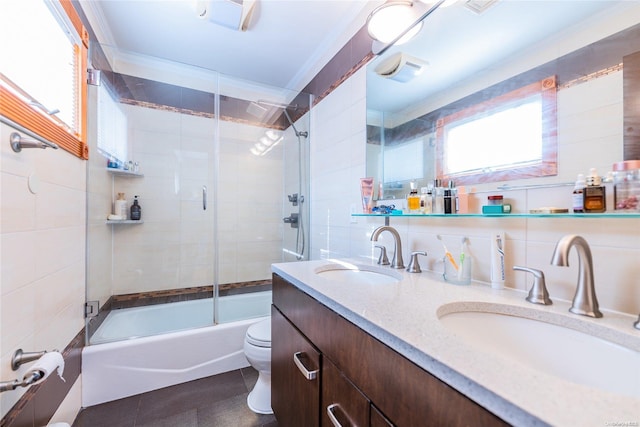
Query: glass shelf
x: 510, y: 215
x: 124, y: 172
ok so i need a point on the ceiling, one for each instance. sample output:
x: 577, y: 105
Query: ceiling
x: 287, y: 41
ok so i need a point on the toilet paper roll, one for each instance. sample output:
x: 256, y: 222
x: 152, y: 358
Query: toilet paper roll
x: 48, y: 363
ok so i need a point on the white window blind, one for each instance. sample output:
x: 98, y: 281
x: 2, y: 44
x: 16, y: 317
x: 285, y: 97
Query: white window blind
x: 47, y: 74
x: 112, y: 126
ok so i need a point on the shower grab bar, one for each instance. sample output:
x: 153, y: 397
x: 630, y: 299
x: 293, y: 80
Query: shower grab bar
x: 26, y: 131
x: 204, y: 197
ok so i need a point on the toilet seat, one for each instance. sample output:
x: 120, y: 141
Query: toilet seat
x: 259, y: 334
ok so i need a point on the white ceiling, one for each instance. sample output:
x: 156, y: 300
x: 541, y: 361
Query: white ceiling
x: 286, y: 44
x: 289, y: 41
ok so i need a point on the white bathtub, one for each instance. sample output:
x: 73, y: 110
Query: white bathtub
x: 113, y: 370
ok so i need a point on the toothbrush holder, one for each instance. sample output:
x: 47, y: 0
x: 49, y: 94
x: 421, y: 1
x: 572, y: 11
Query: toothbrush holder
x: 460, y: 276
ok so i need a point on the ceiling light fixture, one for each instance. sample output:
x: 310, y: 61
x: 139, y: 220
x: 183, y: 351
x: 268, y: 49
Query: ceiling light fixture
x: 388, y: 21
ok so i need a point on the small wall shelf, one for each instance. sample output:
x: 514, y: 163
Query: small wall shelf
x: 123, y: 172
x: 124, y: 221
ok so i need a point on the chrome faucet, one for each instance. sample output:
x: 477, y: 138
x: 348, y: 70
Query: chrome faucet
x: 396, y: 261
x: 584, y: 300
x: 637, y: 323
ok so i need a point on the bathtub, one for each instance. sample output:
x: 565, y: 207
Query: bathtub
x: 185, y: 350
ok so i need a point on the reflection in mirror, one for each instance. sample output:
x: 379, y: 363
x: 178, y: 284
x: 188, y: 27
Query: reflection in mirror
x: 473, y: 57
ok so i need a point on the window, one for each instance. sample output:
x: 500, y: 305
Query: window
x: 112, y: 126
x: 42, y: 71
x: 509, y: 137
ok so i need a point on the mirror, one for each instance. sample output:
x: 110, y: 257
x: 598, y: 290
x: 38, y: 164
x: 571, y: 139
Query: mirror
x: 473, y: 51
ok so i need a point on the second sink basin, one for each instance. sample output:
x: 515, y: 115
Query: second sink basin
x: 355, y: 273
x: 566, y: 353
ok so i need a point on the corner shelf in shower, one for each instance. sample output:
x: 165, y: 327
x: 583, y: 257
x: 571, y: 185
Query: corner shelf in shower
x: 124, y: 221
x: 123, y: 172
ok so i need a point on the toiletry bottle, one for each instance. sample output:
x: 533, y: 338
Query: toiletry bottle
x: 136, y: 210
x: 120, y: 206
x: 594, y: 194
x: 413, y: 201
x: 438, y: 197
x: 463, y: 200
x: 497, y: 260
x: 448, y: 205
x: 425, y: 200
x: 577, y: 198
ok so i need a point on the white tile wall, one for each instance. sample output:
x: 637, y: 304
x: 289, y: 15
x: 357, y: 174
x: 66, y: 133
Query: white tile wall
x: 42, y: 246
x: 338, y: 161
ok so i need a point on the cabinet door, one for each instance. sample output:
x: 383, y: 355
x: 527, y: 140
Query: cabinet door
x: 295, y: 375
x: 342, y: 403
x: 379, y: 420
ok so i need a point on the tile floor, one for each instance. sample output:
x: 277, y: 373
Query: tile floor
x: 217, y: 401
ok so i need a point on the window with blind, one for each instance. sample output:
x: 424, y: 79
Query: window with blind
x: 42, y: 71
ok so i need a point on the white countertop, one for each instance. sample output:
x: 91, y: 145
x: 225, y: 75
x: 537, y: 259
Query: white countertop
x: 404, y: 316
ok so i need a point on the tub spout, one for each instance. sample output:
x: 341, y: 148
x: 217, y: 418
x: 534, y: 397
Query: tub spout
x: 396, y: 261
x: 584, y: 300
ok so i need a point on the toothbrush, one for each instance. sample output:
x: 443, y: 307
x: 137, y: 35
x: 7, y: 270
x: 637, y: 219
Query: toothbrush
x: 447, y: 253
x: 463, y: 244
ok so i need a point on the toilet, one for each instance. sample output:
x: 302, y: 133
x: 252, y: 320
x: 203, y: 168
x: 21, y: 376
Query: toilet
x: 257, y: 349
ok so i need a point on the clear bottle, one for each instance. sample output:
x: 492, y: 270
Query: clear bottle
x: 136, y: 210
x: 413, y: 201
x: 425, y: 200
x: 577, y: 198
x: 626, y: 190
x: 594, y: 194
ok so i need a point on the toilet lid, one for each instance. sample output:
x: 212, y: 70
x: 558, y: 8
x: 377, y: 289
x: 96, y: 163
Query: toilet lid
x: 259, y: 334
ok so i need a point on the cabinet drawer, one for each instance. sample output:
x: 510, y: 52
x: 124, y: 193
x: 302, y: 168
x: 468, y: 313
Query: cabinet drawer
x: 295, y: 375
x: 342, y: 403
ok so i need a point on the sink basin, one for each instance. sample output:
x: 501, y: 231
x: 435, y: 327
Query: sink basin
x: 354, y: 273
x: 575, y: 356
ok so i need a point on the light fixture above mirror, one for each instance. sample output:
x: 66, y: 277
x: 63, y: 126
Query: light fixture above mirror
x: 396, y: 22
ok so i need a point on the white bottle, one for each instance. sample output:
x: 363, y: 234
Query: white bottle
x: 497, y: 260
x: 120, y: 206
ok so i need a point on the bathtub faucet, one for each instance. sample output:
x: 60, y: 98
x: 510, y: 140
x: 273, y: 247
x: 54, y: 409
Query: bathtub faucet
x: 397, y: 261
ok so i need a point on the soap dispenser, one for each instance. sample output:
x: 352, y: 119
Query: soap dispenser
x: 136, y: 210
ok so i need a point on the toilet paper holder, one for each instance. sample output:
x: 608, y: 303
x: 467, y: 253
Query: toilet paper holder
x: 19, y: 358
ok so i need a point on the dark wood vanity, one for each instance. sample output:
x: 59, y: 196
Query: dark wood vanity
x: 324, y: 367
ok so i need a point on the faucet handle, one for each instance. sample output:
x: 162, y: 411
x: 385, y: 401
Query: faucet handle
x: 538, y: 293
x: 382, y: 259
x: 414, y: 267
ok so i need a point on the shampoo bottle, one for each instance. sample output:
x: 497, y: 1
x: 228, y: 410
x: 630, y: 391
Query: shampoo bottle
x: 136, y: 210
x: 497, y: 260
x: 120, y: 206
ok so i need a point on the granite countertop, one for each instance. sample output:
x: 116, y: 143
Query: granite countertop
x: 405, y: 316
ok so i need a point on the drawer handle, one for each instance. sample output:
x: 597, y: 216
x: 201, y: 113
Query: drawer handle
x: 310, y: 375
x: 332, y: 416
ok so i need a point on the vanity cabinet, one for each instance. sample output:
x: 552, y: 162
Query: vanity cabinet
x: 371, y: 383
x: 295, y: 367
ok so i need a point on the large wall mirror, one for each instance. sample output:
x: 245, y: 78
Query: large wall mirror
x: 473, y: 59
